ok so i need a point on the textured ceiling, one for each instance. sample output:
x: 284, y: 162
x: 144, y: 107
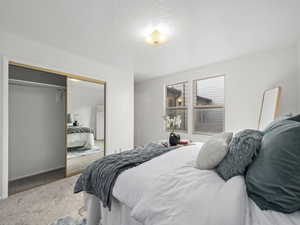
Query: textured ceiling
x: 202, y: 31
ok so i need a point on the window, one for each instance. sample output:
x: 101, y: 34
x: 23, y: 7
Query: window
x: 177, y: 103
x: 208, y: 107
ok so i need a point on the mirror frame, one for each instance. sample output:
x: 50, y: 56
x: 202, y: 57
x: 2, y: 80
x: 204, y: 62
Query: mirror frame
x: 277, y: 103
x: 77, y: 77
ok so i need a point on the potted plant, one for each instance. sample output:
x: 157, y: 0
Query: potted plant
x: 172, y: 124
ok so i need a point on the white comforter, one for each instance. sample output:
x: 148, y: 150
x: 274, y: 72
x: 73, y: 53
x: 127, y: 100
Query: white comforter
x: 168, y: 190
x: 85, y: 140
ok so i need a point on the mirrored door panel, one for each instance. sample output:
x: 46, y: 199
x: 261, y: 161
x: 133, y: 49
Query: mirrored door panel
x: 85, y: 133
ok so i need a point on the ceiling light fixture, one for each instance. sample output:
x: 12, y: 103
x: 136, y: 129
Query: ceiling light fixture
x: 156, y: 35
x: 156, y: 38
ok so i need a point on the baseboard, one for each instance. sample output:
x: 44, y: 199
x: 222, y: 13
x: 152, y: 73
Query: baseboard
x: 37, y: 173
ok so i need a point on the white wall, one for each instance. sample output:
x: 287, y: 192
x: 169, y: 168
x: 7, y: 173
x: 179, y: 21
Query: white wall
x: 120, y: 89
x: 38, y: 113
x: 246, y: 78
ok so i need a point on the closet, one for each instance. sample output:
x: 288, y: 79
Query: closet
x: 36, y: 128
x: 56, y: 122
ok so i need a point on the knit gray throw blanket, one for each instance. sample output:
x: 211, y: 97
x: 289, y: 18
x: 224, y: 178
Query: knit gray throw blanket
x: 75, y: 130
x: 99, y: 178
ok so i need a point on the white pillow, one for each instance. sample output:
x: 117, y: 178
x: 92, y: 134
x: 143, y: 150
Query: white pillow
x: 213, y: 151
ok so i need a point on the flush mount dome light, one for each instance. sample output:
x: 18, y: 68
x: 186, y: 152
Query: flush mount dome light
x: 156, y: 35
x: 156, y: 38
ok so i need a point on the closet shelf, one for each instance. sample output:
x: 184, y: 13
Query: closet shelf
x: 35, y: 84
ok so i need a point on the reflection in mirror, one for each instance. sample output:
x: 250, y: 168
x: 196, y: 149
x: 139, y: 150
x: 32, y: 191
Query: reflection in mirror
x: 85, y: 124
x: 269, y: 108
x: 208, y: 109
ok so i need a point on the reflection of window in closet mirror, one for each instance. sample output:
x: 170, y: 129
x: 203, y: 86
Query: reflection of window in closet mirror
x: 269, y: 107
x: 85, y: 124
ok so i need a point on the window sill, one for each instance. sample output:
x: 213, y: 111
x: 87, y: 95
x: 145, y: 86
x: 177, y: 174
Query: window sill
x: 206, y: 133
x: 178, y: 132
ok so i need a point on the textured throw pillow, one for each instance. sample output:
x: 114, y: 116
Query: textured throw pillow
x: 213, y: 151
x: 242, y: 151
x: 273, y: 180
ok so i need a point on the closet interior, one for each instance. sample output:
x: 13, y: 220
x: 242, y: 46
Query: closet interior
x: 56, y: 125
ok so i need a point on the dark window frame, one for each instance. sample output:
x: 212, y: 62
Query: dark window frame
x: 184, y: 107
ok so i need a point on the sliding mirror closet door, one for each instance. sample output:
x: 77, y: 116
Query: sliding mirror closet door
x: 85, y: 124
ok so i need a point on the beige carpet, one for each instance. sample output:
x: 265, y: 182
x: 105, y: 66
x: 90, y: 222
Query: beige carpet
x: 77, y: 164
x: 43, y: 205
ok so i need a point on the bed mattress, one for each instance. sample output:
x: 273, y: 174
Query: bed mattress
x: 169, y: 190
x: 85, y: 140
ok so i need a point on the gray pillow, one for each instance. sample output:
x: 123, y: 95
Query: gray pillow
x: 276, y: 123
x: 213, y: 151
x: 273, y: 180
x: 242, y: 151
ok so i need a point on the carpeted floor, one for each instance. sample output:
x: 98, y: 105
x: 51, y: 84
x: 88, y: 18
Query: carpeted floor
x: 77, y: 164
x: 79, y: 160
x: 43, y: 205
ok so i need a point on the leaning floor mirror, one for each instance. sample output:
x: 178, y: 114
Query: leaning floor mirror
x: 269, y: 107
x: 85, y: 136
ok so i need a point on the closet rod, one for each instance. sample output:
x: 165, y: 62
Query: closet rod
x: 35, y: 84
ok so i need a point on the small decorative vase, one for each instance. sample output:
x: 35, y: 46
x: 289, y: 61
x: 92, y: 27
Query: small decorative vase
x: 173, y: 139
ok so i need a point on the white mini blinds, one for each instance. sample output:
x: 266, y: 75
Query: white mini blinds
x: 208, y: 105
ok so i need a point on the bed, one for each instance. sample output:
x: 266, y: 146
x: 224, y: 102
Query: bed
x: 80, y: 137
x: 169, y: 190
